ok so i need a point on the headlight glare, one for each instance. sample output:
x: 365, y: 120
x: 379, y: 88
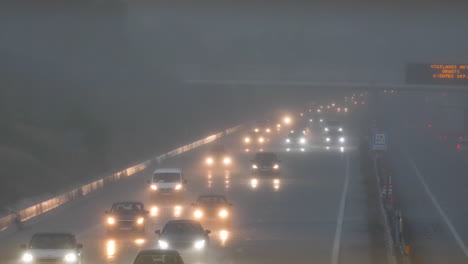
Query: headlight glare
x: 154, y: 187
x: 178, y: 187
x: 227, y: 161
x: 198, y: 214
x: 327, y: 139
x: 140, y: 220
x: 70, y: 258
x: 163, y: 244
x: 254, y: 166
x: 276, y: 166
x: 111, y: 220
x: 209, y: 161
x: 342, y: 139
x: 200, y: 244
x: 27, y: 257
x: 223, y: 213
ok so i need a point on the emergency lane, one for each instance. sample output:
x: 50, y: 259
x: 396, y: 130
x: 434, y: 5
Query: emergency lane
x: 429, y: 175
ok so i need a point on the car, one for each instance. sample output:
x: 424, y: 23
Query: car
x: 265, y: 163
x: 297, y: 140
x: 167, y: 182
x: 218, y: 156
x: 332, y: 125
x: 212, y: 208
x: 254, y: 139
x: 52, y: 248
x: 183, y: 235
x: 126, y: 216
x: 334, y: 140
x: 158, y: 256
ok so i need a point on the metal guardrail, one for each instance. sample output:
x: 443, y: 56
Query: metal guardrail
x: 76, y: 193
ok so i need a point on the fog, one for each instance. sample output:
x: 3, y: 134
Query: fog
x: 87, y: 87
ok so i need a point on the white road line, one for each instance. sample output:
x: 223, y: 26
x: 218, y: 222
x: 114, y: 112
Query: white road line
x: 444, y: 216
x: 339, y: 226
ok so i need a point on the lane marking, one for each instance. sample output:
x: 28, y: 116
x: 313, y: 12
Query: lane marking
x: 436, y: 204
x: 339, y: 225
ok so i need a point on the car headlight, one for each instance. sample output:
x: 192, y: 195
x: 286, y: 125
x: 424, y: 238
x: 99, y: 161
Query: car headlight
x: 198, y: 214
x: 227, y: 161
x: 326, y: 129
x: 268, y: 130
x: 140, y: 220
x: 340, y: 129
x: 342, y: 139
x: 327, y: 139
x: 247, y: 140
x: 223, y: 213
x: 178, y: 187
x: 154, y: 187
x: 261, y: 140
x: 111, y: 220
x: 254, y: 166
x: 200, y: 244
x: 288, y: 140
x: 27, y: 258
x: 302, y: 141
x: 163, y: 244
x: 276, y: 166
x: 70, y: 258
x: 209, y: 161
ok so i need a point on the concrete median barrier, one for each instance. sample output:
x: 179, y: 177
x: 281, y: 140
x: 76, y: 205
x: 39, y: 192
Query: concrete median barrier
x: 81, y: 191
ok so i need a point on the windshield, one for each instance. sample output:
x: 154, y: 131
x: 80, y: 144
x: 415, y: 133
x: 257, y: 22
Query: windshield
x: 127, y: 208
x: 182, y: 228
x: 159, y: 258
x: 265, y: 157
x: 166, y: 177
x: 211, y: 200
x: 52, y: 241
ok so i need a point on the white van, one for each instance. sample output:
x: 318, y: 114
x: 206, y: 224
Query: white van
x: 167, y: 182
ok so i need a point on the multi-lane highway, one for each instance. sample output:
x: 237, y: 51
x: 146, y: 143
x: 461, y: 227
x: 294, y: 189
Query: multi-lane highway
x: 314, y: 212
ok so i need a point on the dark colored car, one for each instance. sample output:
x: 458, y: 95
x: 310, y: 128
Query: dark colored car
x: 265, y: 163
x: 157, y: 256
x: 212, y: 207
x: 126, y: 216
x: 186, y: 235
x: 218, y: 156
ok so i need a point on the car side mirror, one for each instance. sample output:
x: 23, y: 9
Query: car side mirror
x: 157, y: 232
x: 79, y: 246
x: 23, y: 246
x: 106, y: 212
x: 208, y: 232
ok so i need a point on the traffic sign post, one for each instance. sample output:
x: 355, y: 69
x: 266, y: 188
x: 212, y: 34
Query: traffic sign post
x: 379, y: 141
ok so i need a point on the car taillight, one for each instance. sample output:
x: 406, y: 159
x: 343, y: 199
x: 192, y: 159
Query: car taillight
x: 458, y: 146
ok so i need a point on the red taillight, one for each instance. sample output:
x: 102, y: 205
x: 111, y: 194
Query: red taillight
x: 458, y: 146
x: 429, y: 125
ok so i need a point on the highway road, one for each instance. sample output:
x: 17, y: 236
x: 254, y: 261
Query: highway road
x: 315, y: 213
x: 430, y: 179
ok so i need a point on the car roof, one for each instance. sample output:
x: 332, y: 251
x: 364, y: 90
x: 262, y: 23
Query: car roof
x: 265, y: 154
x: 53, y: 234
x: 168, y: 170
x: 212, y: 195
x: 128, y: 202
x: 183, y: 221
